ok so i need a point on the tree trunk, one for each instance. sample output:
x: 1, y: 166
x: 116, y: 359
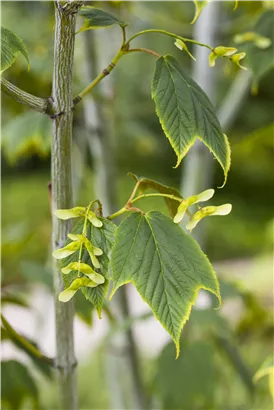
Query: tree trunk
x: 65, y: 18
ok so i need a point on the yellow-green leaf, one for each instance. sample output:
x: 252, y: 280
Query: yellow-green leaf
x: 194, y: 199
x: 70, y: 213
x: 66, y: 250
x: 181, y: 45
x: 85, y: 269
x: 208, y: 211
x: 101, y: 238
x: 78, y: 283
x: 199, y: 6
x: 236, y: 58
x: 94, y: 220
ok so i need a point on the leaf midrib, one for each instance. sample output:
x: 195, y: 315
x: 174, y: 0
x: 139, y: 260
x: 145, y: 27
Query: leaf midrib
x: 161, y: 273
x: 133, y: 242
x: 204, y: 109
x: 177, y: 105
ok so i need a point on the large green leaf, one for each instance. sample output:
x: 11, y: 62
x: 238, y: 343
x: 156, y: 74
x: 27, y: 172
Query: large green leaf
x: 165, y: 264
x: 186, y: 113
x: 11, y: 45
x: 17, y: 384
x: 102, y: 238
x: 96, y: 18
x: 191, y: 379
x: 145, y: 184
x: 260, y: 61
x: 25, y: 135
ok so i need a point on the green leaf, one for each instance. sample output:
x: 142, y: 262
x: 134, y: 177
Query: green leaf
x: 191, y: 379
x: 17, y: 384
x: 102, y: 238
x: 146, y: 183
x: 186, y: 113
x: 261, y: 61
x: 26, y: 135
x: 166, y: 266
x: 11, y: 45
x: 96, y: 18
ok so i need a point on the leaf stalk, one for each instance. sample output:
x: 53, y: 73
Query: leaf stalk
x: 167, y: 33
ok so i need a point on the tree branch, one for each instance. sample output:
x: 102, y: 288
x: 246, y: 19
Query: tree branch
x: 99, y: 77
x: 42, y: 105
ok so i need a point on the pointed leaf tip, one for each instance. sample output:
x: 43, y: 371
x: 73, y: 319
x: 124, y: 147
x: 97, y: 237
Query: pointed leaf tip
x: 199, y: 6
x: 180, y: 117
x: 157, y: 267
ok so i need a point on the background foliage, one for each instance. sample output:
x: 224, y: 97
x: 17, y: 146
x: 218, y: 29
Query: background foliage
x: 221, y: 350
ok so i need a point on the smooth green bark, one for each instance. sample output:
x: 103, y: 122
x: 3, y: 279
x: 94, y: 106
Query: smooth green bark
x: 65, y: 19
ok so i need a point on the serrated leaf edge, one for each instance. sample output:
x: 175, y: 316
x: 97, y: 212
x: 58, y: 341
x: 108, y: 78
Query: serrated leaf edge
x: 176, y: 340
x: 180, y: 156
x: 24, y: 50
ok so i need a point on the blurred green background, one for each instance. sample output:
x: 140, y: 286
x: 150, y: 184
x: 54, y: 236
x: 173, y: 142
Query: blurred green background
x: 221, y: 350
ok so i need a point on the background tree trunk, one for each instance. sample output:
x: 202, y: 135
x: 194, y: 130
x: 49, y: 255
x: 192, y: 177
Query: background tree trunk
x: 122, y: 369
x: 198, y: 164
